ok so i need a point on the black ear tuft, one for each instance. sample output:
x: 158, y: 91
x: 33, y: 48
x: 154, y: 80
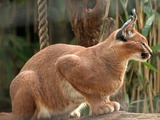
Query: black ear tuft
x: 120, y: 36
x: 126, y: 31
x: 134, y: 13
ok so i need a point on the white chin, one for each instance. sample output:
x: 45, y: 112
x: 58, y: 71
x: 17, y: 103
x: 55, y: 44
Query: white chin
x: 141, y: 60
x: 137, y: 57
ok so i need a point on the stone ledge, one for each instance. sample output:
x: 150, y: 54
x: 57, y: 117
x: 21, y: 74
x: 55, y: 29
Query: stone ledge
x: 122, y: 115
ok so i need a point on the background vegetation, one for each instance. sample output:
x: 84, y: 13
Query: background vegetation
x: 19, y: 41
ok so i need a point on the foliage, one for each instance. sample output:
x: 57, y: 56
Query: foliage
x: 143, y: 78
x: 13, y: 56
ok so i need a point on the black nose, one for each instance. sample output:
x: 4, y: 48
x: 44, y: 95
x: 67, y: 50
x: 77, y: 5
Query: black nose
x: 151, y: 53
x: 144, y: 55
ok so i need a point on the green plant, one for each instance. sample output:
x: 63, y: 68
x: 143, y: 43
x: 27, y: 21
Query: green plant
x: 13, y: 55
x: 143, y: 78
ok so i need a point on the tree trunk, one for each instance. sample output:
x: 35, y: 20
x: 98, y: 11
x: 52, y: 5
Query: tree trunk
x: 86, y: 18
x: 91, y: 26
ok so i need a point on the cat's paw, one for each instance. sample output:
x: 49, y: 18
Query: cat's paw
x: 81, y: 110
x: 105, y: 107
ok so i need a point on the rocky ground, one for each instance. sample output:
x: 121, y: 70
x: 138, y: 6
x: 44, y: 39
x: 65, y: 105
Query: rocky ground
x: 121, y: 115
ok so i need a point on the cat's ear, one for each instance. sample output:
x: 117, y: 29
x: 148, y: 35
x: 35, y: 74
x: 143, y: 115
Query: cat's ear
x: 127, y: 30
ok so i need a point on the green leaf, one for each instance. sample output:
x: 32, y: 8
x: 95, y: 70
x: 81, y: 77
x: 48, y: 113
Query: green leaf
x: 150, y: 67
x: 137, y: 101
x: 148, y: 25
x: 127, y: 99
x: 7, y: 65
x: 148, y: 11
x: 145, y: 1
x: 156, y: 47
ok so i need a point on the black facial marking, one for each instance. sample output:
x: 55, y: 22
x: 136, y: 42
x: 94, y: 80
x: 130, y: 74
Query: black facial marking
x: 144, y: 55
x: 120, y: 36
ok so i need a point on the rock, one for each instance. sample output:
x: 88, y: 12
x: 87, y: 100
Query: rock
x: 122, y: 115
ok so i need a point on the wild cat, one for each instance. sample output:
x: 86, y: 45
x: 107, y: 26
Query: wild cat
x: 60, y: 77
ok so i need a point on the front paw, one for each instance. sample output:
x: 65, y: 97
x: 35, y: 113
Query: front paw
x: 81, y: 110
x: 116, y: 105
x: 105, y: 107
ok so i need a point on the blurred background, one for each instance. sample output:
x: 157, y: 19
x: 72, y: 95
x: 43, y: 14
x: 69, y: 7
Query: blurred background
x: 19, y: 41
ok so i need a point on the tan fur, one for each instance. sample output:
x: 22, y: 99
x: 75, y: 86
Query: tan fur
x: 60, y: 77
